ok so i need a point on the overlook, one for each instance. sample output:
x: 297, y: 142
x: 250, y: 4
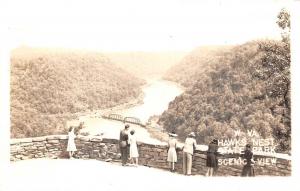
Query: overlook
x: 216, y: 102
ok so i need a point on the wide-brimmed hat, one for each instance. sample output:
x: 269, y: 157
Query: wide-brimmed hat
x: 192, y: 134
x: 173, y: 134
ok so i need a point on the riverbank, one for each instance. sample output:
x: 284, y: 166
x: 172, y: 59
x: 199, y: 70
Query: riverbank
x: 139, y: 101
x: 81, y: 116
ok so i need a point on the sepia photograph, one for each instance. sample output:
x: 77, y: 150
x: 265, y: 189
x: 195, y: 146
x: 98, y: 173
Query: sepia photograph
x: 149, y: 95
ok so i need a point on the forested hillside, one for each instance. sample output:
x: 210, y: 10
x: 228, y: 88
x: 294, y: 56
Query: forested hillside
x: 49, y: 86
x: 146, y: 64
x: 186, y: 71
x: 247, y: 87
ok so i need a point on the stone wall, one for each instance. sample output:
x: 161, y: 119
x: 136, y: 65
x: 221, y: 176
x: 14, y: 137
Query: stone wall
x: 93, y: 147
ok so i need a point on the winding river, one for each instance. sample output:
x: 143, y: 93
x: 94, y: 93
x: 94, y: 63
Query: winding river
x: 157, y: 96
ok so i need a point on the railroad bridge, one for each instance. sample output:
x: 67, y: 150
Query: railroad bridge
x: 118, y: 117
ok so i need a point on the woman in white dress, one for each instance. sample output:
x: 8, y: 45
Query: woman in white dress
x: 71, y: 148
x: 172, y: 155
x: 133, y: 150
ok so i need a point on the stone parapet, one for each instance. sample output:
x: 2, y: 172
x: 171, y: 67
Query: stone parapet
x: 94, y: 147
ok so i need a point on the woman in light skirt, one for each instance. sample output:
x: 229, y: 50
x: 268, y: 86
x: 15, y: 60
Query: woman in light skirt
x: 172, y: 155
x: 133, y: 150
x: 71, y: 148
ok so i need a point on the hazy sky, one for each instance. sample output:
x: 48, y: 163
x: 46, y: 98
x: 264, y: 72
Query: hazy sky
x: 141, y: 25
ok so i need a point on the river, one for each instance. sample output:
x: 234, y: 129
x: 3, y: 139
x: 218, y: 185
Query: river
x: 157, y: 96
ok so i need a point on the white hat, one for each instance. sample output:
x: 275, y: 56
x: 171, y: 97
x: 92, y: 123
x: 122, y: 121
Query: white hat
x: 192, y: 134
x: 173, y: 134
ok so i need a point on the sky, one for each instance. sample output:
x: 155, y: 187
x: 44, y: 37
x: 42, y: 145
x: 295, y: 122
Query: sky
x: 140, y: 25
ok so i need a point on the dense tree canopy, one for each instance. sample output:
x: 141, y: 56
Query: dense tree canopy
x: 48, y: 87
x: 246, y: 87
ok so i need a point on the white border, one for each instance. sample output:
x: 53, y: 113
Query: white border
x: 232, y: 184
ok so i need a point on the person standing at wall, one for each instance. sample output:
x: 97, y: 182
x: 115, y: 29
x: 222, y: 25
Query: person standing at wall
x: 71, y: 148
x: 172, y: 155
x: 79, y: 128
x: 123, y: 143
x: 133, y: 151
x: 211, y: 160
x: 188, y: 151
x: 248, y: 169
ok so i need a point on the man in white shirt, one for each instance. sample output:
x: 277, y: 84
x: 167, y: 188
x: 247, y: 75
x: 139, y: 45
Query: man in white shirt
x: 188, y: 151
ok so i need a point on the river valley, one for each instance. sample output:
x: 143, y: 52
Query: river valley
x: 157, y: 95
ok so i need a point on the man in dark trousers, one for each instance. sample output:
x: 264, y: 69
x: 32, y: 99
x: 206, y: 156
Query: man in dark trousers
x: 124, y: 144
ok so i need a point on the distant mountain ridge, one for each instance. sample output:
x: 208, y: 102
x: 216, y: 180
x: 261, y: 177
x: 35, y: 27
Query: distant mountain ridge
x: 146, y: 64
